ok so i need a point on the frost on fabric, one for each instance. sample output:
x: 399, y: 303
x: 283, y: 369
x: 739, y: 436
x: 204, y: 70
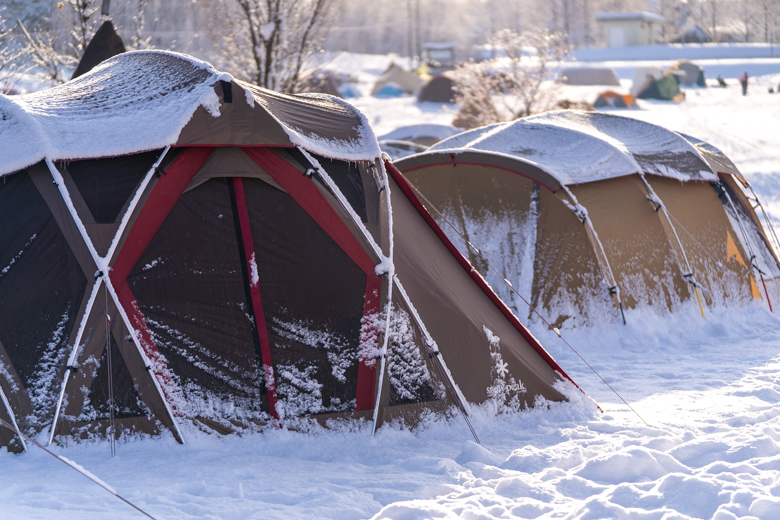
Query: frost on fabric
x: 576, y: 147
x: 409, y: 378
x: 299, y: 385
x: 142, y: 100
x: 18, y: 255
x: 254, y: 277
x: 505, y: 391
x: 41, y: 385
x: 135, y: 101
x: 240, y: 397
x: 356, y: 142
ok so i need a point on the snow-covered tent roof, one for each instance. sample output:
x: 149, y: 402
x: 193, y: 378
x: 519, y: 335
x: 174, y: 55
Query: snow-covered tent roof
x: 573, y: 147
x: 151, y: 99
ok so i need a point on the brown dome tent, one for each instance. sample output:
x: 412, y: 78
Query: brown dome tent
x: 588, y: 213
x: 179, y: 246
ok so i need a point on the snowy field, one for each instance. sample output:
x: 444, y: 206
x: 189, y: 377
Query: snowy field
x: 709, y: 390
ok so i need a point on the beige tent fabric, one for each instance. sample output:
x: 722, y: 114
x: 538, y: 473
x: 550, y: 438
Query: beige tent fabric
x: 646, y: 270
x: 456, y: 312
x: 409, y: 81
x: 569, y: 285
x: 705, y: 231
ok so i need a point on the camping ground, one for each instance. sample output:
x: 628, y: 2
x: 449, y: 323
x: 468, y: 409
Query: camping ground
x: 709, y: 390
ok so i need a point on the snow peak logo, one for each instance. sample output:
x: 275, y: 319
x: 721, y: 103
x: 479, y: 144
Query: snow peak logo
x: 505, y: 391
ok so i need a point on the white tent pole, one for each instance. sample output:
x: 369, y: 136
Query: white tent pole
x: 386, y: 267
x: 753, y: 257
x: 689, y: 277
x: 13, y: 419
x: 103, y: 270
x: 133, y: 203
x: 606, y: 269
x: 74, y: 354
x: 435, y: 354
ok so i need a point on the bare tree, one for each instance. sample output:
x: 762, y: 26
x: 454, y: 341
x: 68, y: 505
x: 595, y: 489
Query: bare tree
x: 86, y: 19
x: 13, y: 62
x: 475, y: 86
x: 529, y: 82
x: 44, y: 52
x: 273, y: 41
x: 519, y: 83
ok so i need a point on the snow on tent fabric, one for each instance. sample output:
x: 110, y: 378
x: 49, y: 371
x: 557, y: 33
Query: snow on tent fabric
x: 585, y: 212
x: 219, y: 243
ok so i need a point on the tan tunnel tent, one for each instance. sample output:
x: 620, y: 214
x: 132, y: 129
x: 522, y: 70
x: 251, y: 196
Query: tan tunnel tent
x: 178, y: 247
x: 589, y: 214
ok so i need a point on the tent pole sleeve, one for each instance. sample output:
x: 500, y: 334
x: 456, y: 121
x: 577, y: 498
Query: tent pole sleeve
x: 311, y: 201
x: 257, y: 303
x: 655, y: 199
x: 199, y: 157
x: 748, y: 245
x: 601, y: 255
x: 366, y: 372
x: 366, y: 376
x: 74, y: 355
x: 13, y: 418
x: 154, y: 368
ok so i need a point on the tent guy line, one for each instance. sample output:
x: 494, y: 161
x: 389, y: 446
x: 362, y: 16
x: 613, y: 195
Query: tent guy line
x: 74, y: 466
x: 511, y: 287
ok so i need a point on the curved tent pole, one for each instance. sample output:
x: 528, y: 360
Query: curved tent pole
x: 753, y: 257
x: 103, y: 269
x: 768, y: 222
x: 606, y: 269
x: 659, y: 205
x: 71, y: 366
x: 386, y: 267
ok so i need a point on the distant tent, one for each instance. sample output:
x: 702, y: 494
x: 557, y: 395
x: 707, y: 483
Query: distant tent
x: 390, y: 90
x: 666, y: 88
x: 349, y: 90
x: 590, y: 76
x: 322, y: 83
x: 688, y: 74
x: 438, y: 90
x: 425, y: 134
x: 611, y: 99
x: 397, y: 149
x: 104, y: 45
x: 408, y: 81
x: 228, y: 252
x: 587, y: 213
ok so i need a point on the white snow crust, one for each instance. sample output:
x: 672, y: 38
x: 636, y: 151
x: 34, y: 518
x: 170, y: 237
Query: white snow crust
x: 576, y: 147
x: 140, y: 101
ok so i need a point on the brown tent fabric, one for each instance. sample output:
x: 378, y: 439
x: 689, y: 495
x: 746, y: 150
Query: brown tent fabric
x: 105, y: 44
x: 605, y: 237
x: 440, y: 89
x: 231, y: 280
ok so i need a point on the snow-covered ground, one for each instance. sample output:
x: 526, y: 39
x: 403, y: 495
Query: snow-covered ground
x: 709, y: 390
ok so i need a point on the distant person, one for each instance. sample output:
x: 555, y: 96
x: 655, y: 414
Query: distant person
x: 721, y: 81
x: 743, y: 80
